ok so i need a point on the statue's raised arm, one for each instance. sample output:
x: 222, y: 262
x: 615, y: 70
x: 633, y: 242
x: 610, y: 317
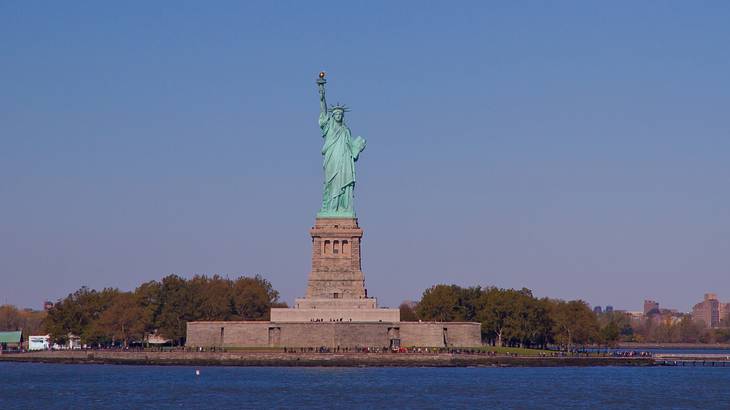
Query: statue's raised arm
x: 322, y: 101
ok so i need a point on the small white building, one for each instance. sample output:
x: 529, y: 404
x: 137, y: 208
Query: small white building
x: 72, y: 342
x: 39, y: 342
x: 156, y: 339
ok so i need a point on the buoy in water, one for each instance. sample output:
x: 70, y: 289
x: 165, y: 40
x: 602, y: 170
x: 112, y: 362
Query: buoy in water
x: 197, y: 372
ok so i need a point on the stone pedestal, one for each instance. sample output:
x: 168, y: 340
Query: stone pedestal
x: 322, y: 303
x: 336, y: 286
x: 336, y: 266
x: 335, y: 315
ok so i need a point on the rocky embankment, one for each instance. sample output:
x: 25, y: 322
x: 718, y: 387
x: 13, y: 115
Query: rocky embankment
x: 181, y: 358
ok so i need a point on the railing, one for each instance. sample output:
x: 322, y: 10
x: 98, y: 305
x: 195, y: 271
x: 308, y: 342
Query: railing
x: 693, y: 359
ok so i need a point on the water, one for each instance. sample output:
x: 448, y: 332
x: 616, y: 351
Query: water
x: 50, y: 386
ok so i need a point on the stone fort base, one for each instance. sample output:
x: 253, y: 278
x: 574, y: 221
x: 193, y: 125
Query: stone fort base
x: 332, y: 334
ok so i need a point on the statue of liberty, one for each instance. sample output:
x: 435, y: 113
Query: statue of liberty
x: 340, y: 151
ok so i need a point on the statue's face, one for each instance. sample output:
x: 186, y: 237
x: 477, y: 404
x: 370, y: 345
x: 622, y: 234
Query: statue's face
x: 338, y: 115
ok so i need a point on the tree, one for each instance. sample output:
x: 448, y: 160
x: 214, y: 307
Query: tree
x: 123, y: 320
x: 689, y: 330
x: 498, y: 306
x: 77, y: 313
x: 441, y: 303
x: 610, y: 333
x: 10, y: 318
x: 530, y: 324
x: 621, y: 320
x: 176, y: 308
x: 470, y: 300
x: 722, y: 335
x: 109, y: 316
x: 407, y: 312
x: 574, y: 323
x: 519, y: 324
x: 644, y: 330
x: 211, y: 297
x: 31, y: 321
x: 27, y: 320
x: 148, y: 296
x: 253, y: 298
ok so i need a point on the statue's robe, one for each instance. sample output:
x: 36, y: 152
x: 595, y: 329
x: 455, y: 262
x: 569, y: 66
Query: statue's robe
x: 340, y: 152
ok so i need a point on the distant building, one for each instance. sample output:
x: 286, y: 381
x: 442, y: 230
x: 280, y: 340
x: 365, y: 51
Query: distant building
x: 651, y: 307
x: 11, y: 340
x: 637, y: 316
x: 597, y: 310
x: 73, y: 342
x: 42, y: 342
x: 710, y: 311
x: 156, y: 339
x: 609, y: 308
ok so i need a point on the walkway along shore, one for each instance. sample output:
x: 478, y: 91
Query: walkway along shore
x: 181, y: 358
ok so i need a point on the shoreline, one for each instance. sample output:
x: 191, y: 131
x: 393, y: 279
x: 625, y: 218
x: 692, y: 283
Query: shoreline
x: 272, y: 359
x: 697, y: 346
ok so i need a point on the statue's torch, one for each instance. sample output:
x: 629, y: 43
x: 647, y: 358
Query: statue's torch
x: 321, y: 80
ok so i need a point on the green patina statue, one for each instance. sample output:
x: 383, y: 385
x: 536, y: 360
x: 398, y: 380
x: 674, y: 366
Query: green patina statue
x: 340, y: 152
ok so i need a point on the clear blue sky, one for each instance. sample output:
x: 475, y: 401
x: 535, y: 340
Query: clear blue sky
x: 580, y: 149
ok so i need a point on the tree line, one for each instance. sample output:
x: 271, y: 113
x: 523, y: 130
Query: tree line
x: 508, y: 317
x: 28, y: 320
x: 683, y: 330
x: 511, y: 317
x: 113, y: 317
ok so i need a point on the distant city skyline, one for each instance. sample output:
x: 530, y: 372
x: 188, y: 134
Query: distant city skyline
x: 576, y: 149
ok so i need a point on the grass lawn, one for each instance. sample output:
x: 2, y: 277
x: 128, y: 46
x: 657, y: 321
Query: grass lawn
x: 515, y: 350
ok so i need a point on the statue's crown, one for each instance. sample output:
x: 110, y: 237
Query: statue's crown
x: 341, y: 107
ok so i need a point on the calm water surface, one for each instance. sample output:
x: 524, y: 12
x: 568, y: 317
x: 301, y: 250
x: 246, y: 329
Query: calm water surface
x: 44, y: 386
